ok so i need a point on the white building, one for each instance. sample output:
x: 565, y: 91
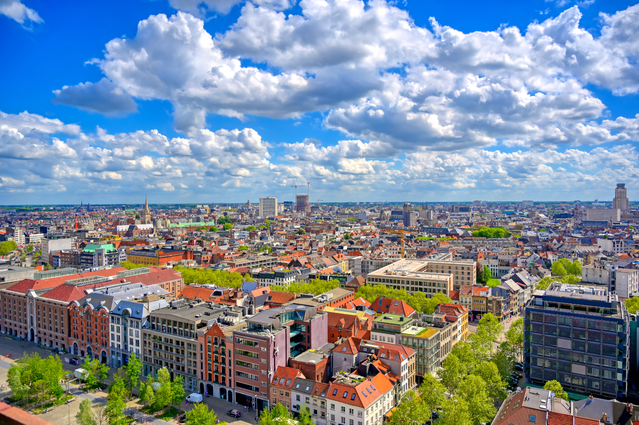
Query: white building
x: 351, y: 402
x: 268, y: 207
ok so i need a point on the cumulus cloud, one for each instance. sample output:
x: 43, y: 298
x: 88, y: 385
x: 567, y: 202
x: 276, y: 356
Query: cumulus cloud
x: 204, y: 7
x: 20, y: 13
x: 103, y: 96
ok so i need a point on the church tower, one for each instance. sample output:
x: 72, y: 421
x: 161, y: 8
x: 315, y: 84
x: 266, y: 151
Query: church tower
x: 146, y: 214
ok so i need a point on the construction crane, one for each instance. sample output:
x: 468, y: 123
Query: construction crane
x: 318, y: 201
x: 401, y: 232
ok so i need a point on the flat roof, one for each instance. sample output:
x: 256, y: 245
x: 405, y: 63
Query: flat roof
x: 421, y: 332
x: 393, y: 319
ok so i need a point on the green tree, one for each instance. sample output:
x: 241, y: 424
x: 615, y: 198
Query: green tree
x: 213, y: 229
x: 177, y: 390
x: 347, y: 236
x: 452, y: 372
x: 163, y: 394
x: 314, y: 286
x: 96, y: 372
x: 85, y: 415
x: 148, y: 396
x: 433, y: 394
x: 558, y: 269
x: 474, y: 391
x: 200, y: 415
x: 434, y: 301
x: 489, y: 373
x: 301, y: 232
x: 632, y: 304
x: 7, y: 246
x: 455, y: 411
x: 274, y: 415
x: 305, y: 417
x: 115, y: 401
x: 14, y: 380
x: 228, y: 226
x: 483, y: 340
x: 556, y: 388
x: 487, y: 273
x: 480, y: 275
x: 411, y: 411
x: 133, y: 370
x: 515, y: 337
x: 492, y: 233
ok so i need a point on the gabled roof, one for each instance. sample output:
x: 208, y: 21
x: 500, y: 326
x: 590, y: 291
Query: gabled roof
x: 361, y: 395
x: 392, y: 306
x: 284, y: 376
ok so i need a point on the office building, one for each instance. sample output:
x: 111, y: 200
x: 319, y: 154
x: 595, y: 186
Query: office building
x: 93, y: 256
x: 268, y: 207
x: 579, y: 336
x: 408, y: 215
x: 620, y: 200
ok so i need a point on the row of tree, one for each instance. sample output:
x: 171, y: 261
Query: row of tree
x: 492, y: 233
x: 569, y: 278
x: 418, y: 300
x: 215, y: 277
x: 314, y: 286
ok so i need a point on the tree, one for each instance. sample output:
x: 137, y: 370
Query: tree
x: 148, y: 396
x: 213, y: 229
x: 455, y: 411
x: 430, y: 303
x: 96, y: 372
x: 558, y: 269
x: 85, y: 415
x: 200, y: 415
x: 433, y: 394
x: 274, y: 415
x: 451, y: 373
x: 489, y: 373
x: 411, y: 411
x: 115, y: 401
x: 177, y: 390
x: 301, y: 232
x: 163, y: 394
x: 228, y: 226
x: 305, y: 417
x: 480, y: 275
x: 474, y: 391
x: 133, y: 370
x: 7, y: 246
x: 491, y: 233
x: 515, y: 337
x: 347, y: 236
x: 556, y: 388
x: 14, y: 380
x: 482, y: 341
x: 315, y: 286
x: 487, y: 273
x: 632, y: 304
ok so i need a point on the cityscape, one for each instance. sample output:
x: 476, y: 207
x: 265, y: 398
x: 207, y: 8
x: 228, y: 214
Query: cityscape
x: 319, y: 212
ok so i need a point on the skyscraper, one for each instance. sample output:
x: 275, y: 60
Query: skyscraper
x: 621, y: 198
x: 303, y: 203
x: 410, y: 217
x: 268, y: 207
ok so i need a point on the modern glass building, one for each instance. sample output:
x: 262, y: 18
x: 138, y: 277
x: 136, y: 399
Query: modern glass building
x: 579, y: 336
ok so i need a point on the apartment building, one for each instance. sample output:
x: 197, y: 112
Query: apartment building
x: 432, y: 339
x: 312, y: 395
x: 171, y: 340
x: 579, y: 336
x: 458, y: 315
x: 268, y: 207
x: 411, y: 275
x: 387, y: 327
x: 93, y: 256
x: 282, y: 385
x: 353, y: 401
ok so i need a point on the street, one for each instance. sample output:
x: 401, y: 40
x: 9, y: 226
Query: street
x: 65, y: 414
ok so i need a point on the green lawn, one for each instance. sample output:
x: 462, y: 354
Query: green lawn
x: 493, y: 282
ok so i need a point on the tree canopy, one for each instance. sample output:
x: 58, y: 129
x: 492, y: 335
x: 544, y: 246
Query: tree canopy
x: 7, y: 246
x: 556, y: 388
x: 632, y: 304
x: 315, y: 286
x: 563, y: 267
x: 215, y: 277
x: 36, y: 378
x: 569, y: 278
x: 492, y: 233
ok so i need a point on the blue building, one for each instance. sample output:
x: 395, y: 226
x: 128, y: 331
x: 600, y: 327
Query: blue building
x: 579, y: 336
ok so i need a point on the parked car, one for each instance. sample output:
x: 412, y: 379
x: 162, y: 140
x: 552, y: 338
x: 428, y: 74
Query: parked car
x: 182, y: 418
x: 234, y: 413
x: 519, y: 367
x: 74, y: 362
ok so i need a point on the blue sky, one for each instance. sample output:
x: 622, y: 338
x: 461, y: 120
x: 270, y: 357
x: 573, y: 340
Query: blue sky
x: 224, y: 100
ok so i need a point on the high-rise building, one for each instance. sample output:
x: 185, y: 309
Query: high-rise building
x: 409, y: 216
x: 268, y: 207
x: 303, y: 204
x: 621, y: 198
x: 17, y: 233
x: 579, y: 336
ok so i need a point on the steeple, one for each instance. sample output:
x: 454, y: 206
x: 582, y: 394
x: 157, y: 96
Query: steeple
x: 146, y: 214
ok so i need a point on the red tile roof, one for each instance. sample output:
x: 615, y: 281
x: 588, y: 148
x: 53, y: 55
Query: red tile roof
x: 193, y: 292
x: 276, y: 297
x: 389, y: 305
x: 361, y: 395
x: 284, y: 376
x: 24, y: 285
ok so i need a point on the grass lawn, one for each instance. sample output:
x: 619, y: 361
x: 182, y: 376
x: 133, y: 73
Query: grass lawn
x: 493, y: 282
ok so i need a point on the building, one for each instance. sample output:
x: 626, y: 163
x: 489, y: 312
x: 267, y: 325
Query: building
x: 387, y: 327
x: 94, y: 256
x: 620, y: 201
x: 625, y: 283
x: 282, y: 385
x: 388, y: 305
x: 312, y: 395
x: 432, y: 340
x: 268, y: 207
x: 601, y: 214
x: 89, y: 328
x: 303, y: 204
x: 456, y: 314
x: 17, y: 234
x: 146, y: 213
x: 50, y: 246
x: 408, y: 215
x: 156, y: 256
x: 579, y: 336
x: 346, y: 323
x: 354, y: 400
x: 426, y: 275
x: 10, y: 274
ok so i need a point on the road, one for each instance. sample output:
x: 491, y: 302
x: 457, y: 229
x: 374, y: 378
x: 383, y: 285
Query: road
x: 65, y: 414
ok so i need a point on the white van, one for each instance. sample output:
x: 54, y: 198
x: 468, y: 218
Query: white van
x: 194, y: 398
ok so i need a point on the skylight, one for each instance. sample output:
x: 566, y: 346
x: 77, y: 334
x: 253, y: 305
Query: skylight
x: 345, y: 394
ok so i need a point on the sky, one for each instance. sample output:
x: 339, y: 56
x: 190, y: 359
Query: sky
x: 220, y: 101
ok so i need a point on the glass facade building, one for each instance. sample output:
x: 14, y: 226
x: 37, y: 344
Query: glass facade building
x: 579, y: 336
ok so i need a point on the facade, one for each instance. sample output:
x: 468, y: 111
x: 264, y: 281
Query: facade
x: 579, y: 336
x: 412, y: 276
x: 625, y: 283
x: 312, y: 395
x: 302, y: 204
x: 282, y: 385
x: 432, y: 341
x: 89, y: 329
x: 355, y: 402
x: 268, y: 207
x: 458, y: 315
x: 17, y: 234
x: 388, y: 327
x: 93, y: 256
x: 156, y: 257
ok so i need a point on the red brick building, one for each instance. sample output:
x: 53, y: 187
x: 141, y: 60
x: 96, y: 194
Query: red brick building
x: 89, y: 333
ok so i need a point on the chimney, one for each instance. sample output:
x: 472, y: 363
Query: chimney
x: 604, y: 417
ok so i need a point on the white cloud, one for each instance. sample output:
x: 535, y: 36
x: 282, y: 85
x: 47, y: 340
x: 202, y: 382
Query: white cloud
x: 103, y: 96
x: 167, y: 187
x: 20, y: 13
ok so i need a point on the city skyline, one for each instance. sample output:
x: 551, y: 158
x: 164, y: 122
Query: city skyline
x: 220, y: 101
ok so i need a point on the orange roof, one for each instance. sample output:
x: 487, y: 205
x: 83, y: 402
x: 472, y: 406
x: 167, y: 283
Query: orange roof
x: 24, y: 285
x: 193, y: 292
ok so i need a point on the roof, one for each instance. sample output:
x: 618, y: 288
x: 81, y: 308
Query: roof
x: 24, y: 285
x: 389, y: 305
x: 192, y: 292
x: 12, y: 414
x: 361, y: 395
x: 284, y: 376
x: 92, y: 247
x: 277, y: 297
